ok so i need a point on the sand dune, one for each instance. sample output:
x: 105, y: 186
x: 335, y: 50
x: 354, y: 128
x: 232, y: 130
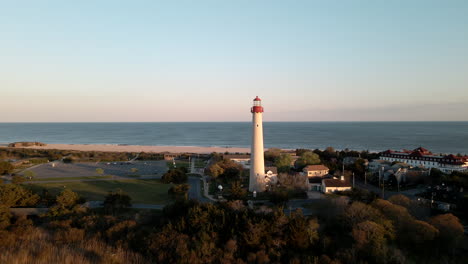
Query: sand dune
x: 134, y: 148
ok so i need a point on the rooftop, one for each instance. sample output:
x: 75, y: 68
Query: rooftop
x: 316, y: 167
x: 336, y: 183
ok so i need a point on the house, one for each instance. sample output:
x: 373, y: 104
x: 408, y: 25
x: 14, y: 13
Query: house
x: 349, y: 160
x: 376, y: 165
x: 315, y: 183
x: 242, y: 159
x: 334, y: 184
x: 315, y: 170
x: 237, y: 157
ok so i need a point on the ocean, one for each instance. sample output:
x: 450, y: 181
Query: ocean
x: 439, y: 137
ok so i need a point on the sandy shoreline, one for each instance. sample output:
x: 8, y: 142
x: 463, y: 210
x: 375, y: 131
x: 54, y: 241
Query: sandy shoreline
x: 135, y: 148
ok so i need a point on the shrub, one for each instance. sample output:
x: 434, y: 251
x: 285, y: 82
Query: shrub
x: 117, y: 202
x: 176, y: 176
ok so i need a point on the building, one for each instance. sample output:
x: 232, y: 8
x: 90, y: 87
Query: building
x: 334, y: 184
x: 244, y: 160
x: 316, y: 170
x: 423, y: 158
x: 257, y: 162
x: 315, y: 174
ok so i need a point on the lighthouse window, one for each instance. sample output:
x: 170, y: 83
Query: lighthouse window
x: 257, y: 125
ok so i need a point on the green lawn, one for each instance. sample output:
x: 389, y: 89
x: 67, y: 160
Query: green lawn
x: 179, y: 164
x: 141, y: 191
x: 184, y: 163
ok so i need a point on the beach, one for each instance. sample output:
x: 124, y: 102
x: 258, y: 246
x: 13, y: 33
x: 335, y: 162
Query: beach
x: 136, y: 148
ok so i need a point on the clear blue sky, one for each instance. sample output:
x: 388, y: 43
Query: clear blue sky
x: 206, y: 60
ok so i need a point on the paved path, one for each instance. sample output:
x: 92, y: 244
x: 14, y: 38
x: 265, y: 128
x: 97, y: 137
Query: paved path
x: 98, y: 204
x: 195, y: 191
x: 113, y: 178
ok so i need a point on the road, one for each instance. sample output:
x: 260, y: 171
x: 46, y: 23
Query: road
x: 195, y: 191
x: 409, y: 193
x: 113, y: 178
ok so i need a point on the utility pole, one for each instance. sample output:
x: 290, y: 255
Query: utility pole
x: 383, y: 183
x: 365, y: 177
x: 383, y: 190
x: 353, y: 179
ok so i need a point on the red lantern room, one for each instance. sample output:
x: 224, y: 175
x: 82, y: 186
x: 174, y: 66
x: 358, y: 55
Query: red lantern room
x: 257, y: 106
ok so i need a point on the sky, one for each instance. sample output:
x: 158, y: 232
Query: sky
x: 151, y: 61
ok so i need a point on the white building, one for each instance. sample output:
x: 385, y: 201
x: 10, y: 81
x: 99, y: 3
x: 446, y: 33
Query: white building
x: 316, y: 170
x: 333, y: 185
x: 423, y: 158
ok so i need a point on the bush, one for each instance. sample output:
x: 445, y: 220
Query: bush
x: 176, y: 176
x: 179, y: 191
x: 17, y: 179
x: 6, y: 167
x: 117, y: 202
x: 279, y: 196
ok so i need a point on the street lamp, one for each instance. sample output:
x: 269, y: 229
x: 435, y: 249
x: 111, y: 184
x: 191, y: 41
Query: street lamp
x: 220, y: 188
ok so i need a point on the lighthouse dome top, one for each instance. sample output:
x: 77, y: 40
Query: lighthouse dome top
x: 257, y: 99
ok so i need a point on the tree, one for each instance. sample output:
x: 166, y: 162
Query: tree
x: 12, y: 195
x: 67, y: 203
x: 179, y: 191
x: 215, y: 170
x: 283, y: 162
x: 29, y: 174
x: 370, y: 239
x: 307, y: 158
x: 6, y: 167
x: 176, y: 176
x: 237, y: 192
x: 299, y: 152
x: 117, y: 201
x: 67, y: 198
x: 302, y: 232
x: 99, y: 171
x: 450, y: 230
x: 400, y: 199
x: 272, y: 154
x: 17, y: 179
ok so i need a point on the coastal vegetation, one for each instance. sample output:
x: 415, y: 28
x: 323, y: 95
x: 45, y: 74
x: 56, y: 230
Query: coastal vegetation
x: 25, y: 154
x: 340, y: 231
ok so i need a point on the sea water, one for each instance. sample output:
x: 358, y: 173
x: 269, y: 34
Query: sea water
x: 439, y: 137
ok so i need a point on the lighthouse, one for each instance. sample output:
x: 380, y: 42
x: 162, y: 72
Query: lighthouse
x: 257, y: 163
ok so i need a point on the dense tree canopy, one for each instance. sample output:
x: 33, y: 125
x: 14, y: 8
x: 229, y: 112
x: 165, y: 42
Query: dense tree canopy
x: 6, y: 167
x: 307, y: 158
x: 283, y: 162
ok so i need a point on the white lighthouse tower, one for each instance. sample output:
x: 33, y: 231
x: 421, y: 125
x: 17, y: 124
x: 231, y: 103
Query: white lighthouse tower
x: 257, y: 163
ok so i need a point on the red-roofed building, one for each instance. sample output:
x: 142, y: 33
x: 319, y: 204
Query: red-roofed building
x: 316, y: 170
x: 422, y: 157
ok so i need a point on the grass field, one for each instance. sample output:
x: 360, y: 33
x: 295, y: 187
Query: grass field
x: 183, y: 163
x: 141, y: 191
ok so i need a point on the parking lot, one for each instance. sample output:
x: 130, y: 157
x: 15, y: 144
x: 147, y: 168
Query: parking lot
x: 61, y: 170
